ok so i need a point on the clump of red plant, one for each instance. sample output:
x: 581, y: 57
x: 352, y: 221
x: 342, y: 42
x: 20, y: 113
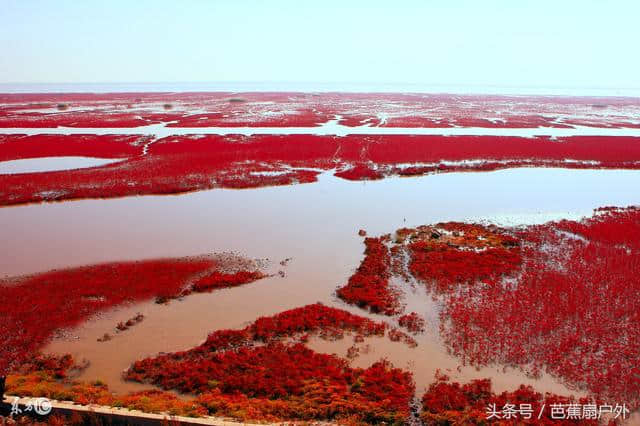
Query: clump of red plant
x: 452, y: 253
x: 327, y: 322
x: 259, y: 373
x: 441, y: 256
x: 328, y: 390
x: 217, y: 280
x: 125, y: 325
x: 412, y: 322
x: 16, y: 147
x: 396, y: 335
x: 56, y: 366
x: 475, y: 403
x: 369, y: 286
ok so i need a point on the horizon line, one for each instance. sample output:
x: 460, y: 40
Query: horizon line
x: 313, y: 86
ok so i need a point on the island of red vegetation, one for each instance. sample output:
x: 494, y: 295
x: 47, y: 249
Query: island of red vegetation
x: 369, y: 286
x: 260, y: 373
x: 219, y: 279
x: 451, y: 253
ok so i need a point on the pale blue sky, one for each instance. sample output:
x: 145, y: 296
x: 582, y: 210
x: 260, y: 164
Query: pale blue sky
x: 498, y: 43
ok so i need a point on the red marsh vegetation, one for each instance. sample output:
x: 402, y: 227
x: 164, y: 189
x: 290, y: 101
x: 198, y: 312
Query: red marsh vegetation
x: 559, y: 297
x: 283, y: 109
x: 571, y: 310
x: 265, y: 372
x: 178, y: 164
x: 33, y: 308
x: 450, y: 403
x: 369, y: 285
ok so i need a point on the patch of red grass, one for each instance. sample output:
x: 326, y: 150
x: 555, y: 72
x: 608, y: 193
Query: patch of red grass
x: 448, y: 254
x: 173, y: 165
x: 237, y: 116
x: 256, y: 373
x: 412, y: 322
x: 327, y: 322
x: 369, y: 285
x: 493, y: 152
x: 572, y: 310
x: 446, y: 267
x: 55, y: 366
x: 360, y: 171
x: 217, y: 280
x: 331, y: 391
x: 124, y: 325
x: 355, y: 120
x: 447, y: 402
x: 396, y: 335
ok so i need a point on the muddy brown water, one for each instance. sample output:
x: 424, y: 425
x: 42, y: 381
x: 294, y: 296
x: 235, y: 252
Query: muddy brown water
x: 314, y: 224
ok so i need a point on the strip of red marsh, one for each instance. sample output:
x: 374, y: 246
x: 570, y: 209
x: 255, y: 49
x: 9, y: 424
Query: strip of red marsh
x: 180, y: 164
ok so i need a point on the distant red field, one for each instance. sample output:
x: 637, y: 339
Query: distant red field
x: 282, y: 109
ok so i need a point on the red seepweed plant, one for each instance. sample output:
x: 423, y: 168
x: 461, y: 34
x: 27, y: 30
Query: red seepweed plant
x: 571, y: 309
x: 412, y: 322
x: 558, y: 297
x: 217, y: 280
x: 369, y: 286
x: 475, y: 403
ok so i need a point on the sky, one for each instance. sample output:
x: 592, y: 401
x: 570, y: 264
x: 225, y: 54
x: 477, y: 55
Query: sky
x: 585, y: 43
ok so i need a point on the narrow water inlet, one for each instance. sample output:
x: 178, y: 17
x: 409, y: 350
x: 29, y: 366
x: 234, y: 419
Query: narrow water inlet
x: 51, y: 164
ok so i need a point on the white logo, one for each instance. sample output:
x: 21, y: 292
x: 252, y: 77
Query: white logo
x: 40, y: 406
